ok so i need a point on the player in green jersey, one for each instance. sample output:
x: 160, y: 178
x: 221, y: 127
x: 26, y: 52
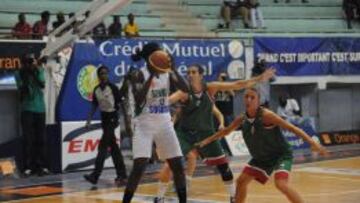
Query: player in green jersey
x: 269, y: 150
x: 196, y: 124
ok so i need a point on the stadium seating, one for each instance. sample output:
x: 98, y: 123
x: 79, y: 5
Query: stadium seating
x: 317, y: 16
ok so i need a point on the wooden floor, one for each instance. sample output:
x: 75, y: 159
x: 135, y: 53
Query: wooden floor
x: 335, y: 181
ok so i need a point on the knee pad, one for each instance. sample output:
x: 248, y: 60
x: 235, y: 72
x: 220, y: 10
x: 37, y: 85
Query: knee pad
x: 225, y: 171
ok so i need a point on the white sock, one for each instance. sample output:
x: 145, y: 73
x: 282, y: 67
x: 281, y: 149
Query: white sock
x: 162, y: 187
x: 188, y: 180
x: 230, y: 187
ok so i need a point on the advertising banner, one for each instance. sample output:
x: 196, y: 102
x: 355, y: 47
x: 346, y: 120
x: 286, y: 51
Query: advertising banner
x: 79, y: 145
x: 215, y: 55
x: 307, y: 124
x: 340, y: 138
x: 237, y: 144
x: 309, y: 56
x: 10, y: 57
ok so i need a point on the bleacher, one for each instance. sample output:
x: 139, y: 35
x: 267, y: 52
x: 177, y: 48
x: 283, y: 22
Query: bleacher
x: 317, y: 16
x: 149, y: 22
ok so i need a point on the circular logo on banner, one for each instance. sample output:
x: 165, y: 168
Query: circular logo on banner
x: 236, y: 48
x: 236, y: 69
x: 86, y: 81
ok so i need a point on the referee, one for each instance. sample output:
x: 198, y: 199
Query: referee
x: 106, y: 96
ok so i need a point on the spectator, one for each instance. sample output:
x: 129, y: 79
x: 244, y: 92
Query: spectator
x: 351, y: 9
x: 131, y: 29
x: 290, y: 111
x: 264, y: 88
x: 99, y: 31
x: 257, y: 20
x: 288, y: 1
x: 60, y: 20
x: 72, y: 14
x: 22, y: 29
x: 234, y: 8
x: 86, y: 15
x: 72, y: 24
x: 31, y: 82
x: 115, y: 28
x: 224, y: 101
x: 288, y: 107
x: 40, y: 27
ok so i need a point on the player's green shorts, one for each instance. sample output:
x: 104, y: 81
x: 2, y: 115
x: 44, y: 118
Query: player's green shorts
x: 262, y: 170
x: 213, y: 153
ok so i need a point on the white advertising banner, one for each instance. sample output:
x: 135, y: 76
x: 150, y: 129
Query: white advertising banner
x: 237, y: 144
x: 79, y: 145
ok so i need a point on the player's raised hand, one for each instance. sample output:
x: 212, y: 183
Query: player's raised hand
x: 267, y: 74
x: 321, y: 149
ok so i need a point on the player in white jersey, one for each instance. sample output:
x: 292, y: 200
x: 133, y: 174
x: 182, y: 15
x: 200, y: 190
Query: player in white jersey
x: 152, y: 123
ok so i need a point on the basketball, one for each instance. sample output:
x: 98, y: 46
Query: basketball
x: 160, y: 61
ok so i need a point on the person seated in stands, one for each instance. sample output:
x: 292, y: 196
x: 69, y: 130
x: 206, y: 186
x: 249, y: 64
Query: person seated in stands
x: 99, y: 31
x: 115, y: 28
x: 40, y: 27
x: 60, y: 19
x: 72, y: 14
x: 234, y: 8
x: 288, y: 1
x: 257, y: 20
x: 131, y: 29
x: 22, y: 29
x: 264, y: 88
x: 351, y: 9
x: 290, y: 111
x: 288, y: 107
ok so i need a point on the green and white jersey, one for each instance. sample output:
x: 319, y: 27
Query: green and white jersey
x: 265, y: 143
x: 197, y: 113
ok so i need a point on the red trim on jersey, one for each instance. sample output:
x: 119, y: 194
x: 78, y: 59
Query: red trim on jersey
x: 281, y: 175
x: 257, y: 174
x: 216, y: 161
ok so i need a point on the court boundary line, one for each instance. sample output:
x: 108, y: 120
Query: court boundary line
x: 201, y: 177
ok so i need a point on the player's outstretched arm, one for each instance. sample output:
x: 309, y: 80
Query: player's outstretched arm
x: 222, y: 133
x: 178, y: 96
x: 219, y: 117
x: 177, y: 79
x: 271, y: 117
x: 214, y: 87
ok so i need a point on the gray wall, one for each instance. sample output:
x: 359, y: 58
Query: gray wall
x: 339, y: 108
x: 9, y: 117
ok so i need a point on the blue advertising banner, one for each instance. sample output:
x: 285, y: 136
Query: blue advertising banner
x: 74, y: 102
x: 307, y: 124
x: 310, y: 56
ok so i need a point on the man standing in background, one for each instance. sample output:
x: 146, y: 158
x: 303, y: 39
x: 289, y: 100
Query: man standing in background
x: 30, y: 82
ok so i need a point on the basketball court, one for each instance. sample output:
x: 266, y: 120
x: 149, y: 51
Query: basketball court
x: 328, y: 181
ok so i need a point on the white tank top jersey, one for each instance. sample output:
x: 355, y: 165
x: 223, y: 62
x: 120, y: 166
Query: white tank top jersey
x: 157, y: 101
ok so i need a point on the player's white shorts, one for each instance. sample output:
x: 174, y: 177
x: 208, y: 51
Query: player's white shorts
x: 162, y: 132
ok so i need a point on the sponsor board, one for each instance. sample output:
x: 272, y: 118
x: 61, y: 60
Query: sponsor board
x: 309, y: 56
x: 10, y: 58
x: 79, y: 145
x: 339, y: 138
x: 216, y: 56
x: 237, y: 144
